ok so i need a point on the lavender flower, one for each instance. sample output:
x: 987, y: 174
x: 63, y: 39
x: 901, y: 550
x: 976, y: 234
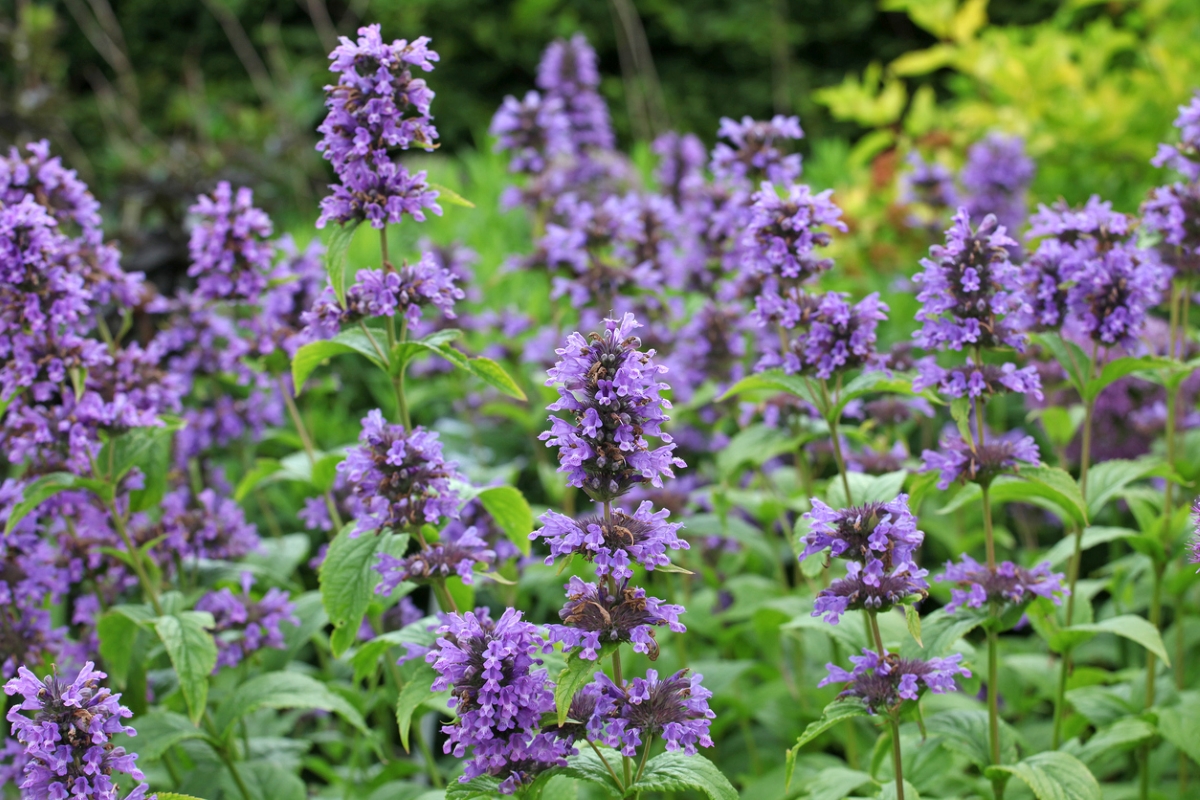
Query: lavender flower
x: 975, y: 380
x: 680, y: 170
x: 568, y: 72
x: 959, y: 460
x: 1007, y: 583
x: 399, y: 477
x: 673, y: 709
x: 384, y: 293
x: 456, y: 554
x: 377, y: 107
x: 1113, y: 293
x: 1045, y: 278
x: 969, y: 288
x: 611, y: 389
x: 1174, y: 211
x: 595, y: 616
x: 1184, y: 158
x: 996, y: 176
x: 781, y: 238
x: 68, y: 739
x: 201, y: 526
x: 836, y: 336
x: 752, y: 153
x: 38, y: 294
x: 884, y: 682
x: 535, y: 130
x: 711, y: 345
x: 642, y: 537
x: 245, y: 625
x: 498, y: 696
x: 883, y: 532
x: 871, y: 588
x: 230, y: 252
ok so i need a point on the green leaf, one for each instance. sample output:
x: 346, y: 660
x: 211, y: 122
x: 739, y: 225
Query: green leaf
x: 174, y: 796
x: 193, y: 653
x: 754, y: 445
x: 1047, y: 487
x: 1120, y: 367
x: 1121, y: 735
x: 416, y: 690
x: 335, y: 257
x: 965, y: 731
x: 313, y: 354
x: 576, y: 674
x: 38, y: 492
x: 1103, y: 705
x: 324, y: 471
x: 494, y: 375
x: 866, y: 488
x: 888, y: 791
x: 159, y: 731
x: 871, y: 383
x: 450, y: 196
x: 512, y: 513
x: 266, y: 781
x: 366, y: 657
x: 941, y: 631
x: 912, y: 618
x: 774, y: 380
x: 348, y: 581
x: 1108, y: 478
x: 155, y: 467
x: 675, y: 771
x: 135, y: 448
x: 285, y: 690
x: 835, y: 783
x: 960, y: 412
x: 1061, y: 424
x: 484, y: 786
x: 834, y: 713
x: 118, y: 632
x: 1065, y: 547
x: 587, y: 766
x: 263, y: 468
x: 1179, y: 724
x: 1132, y: 627
x: 1053, y: 775
x: 1069, y: 355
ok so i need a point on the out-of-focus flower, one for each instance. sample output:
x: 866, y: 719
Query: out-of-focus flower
x: 1184, y: 157
x: 751, y: 153
x: 245, y: 625
x: 230, y: 249
x: 996, y: 177
x: 974, y: 380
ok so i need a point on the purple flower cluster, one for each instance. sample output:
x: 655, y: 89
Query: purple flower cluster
x: 458, y: 553
x: 884, y: 682
x: 377, y: 108
x: 616, y: 543
x: 976, y: 380
x: 230, y: 252
x: 595, y: 616
x: 67, y: 741
x: 1110, y: 283
x: 398, y: 477
x: 673, y: 709
x: 612, y: 390
x: 996, y: 177
x: 498, y: 695
x: 1184, y: 158
x: 535, y: 130
x: 1007, y: 583
x: 970, y: 462
x: 834, y: 336
x: 245, y: 625
x: 969, y: 289
x: 751, y: 152
x: 201, y: 526
x: 569, y: 72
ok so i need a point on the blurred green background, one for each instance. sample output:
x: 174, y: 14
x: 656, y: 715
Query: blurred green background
x: 153, y: 100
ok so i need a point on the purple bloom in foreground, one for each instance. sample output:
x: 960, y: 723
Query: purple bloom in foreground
x: 230, y: 252
x: 1113, y: 292
x: 673, y: 709
x: 884, y: 532
x: 245, y: 625
x: 882, y: 683
x: 959, y: 460
x: 399, y: 477
x: 68, y: 739
x: 386, y: 292
x: 968, y: 289
x: 594, y: 617
x: 1007, y: 583
x: 377, y: 107
x: 611, y: 389
x: 1184, y: 158
x: 498, y: 696
x: 871, y: 588
x: 973, y: 380
x: 454, y: 555
x: 643, y: 537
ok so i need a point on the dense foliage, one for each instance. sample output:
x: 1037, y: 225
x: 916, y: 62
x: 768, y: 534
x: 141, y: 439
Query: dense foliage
x: 692, y: 480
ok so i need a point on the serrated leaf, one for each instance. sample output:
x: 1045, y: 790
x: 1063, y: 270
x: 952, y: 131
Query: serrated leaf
x: 494, y: 375
x: 118, y: 631
x: 134, y: 448
x: 587, y: 766
x: 675, y: 771
x: 1179, y: 724
x: 366, y: 657
x: 1053, y: 775
x: 511, y: 511
x: 912, y: 618
x: 1123, y: 734
x: 1108, y: 478
x: 834, y: 713
x: 940, y: 631
x: 1120, y: 367
x: 335, y: 257
x: 37, y: 492
x: 1070, y: 357
x: 348, y: 581
x: 965, y: 731
x: 1047, y: 487
x: 159, y: 731
x: 1065, y: 547
x: 285, y: 690
x: 416, y: 690
x: 1131, y: 627
x: 193, y: 654
x: 576, y: 674
x: 774, y: 380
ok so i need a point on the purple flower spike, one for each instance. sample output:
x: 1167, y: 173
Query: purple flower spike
x: 594, y: 617
x: 611, y: 388
x: 399, y: 477
x: 457, y: 554
x: 885, y: 532
x: 752, y: 153
x: 1185, y: 157
x: 535, y: 130
x: 245, y: 625
x: 1007, y: 583
x: 673, y: 709
x: 1113, y: 293
x: 973, y: 380
x: 871, y: 588
x: 642, y: 537
x: 1174, y: 211
x: 968, y: 289
x: 884, y: 682
x: 498, y: 695
x: 376, y: 108
x: 958, y: 460
x: 231, y: 257
x: 839, y: 337
x: 781, y: 238
x: 68, y: 739
x: 996, y: 177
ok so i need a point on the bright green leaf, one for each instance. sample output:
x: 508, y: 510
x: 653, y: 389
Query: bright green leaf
x: 1054, y: 775
x: 511, y: 511
x: 193, y: 653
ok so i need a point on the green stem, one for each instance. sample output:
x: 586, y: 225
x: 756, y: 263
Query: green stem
x: 607, y: 766
x: 994, y: 704
x: 645, y: 753
x: 435, y: 774
x: 309, y: 448
x: 1180, y: 652
x: 1151, y: 670
x: 989, y: 536
x: 831, y: 421
x: 896, y: 760
x: 445, y: 599
x: 1085, y: 453
x: 135, y: 555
